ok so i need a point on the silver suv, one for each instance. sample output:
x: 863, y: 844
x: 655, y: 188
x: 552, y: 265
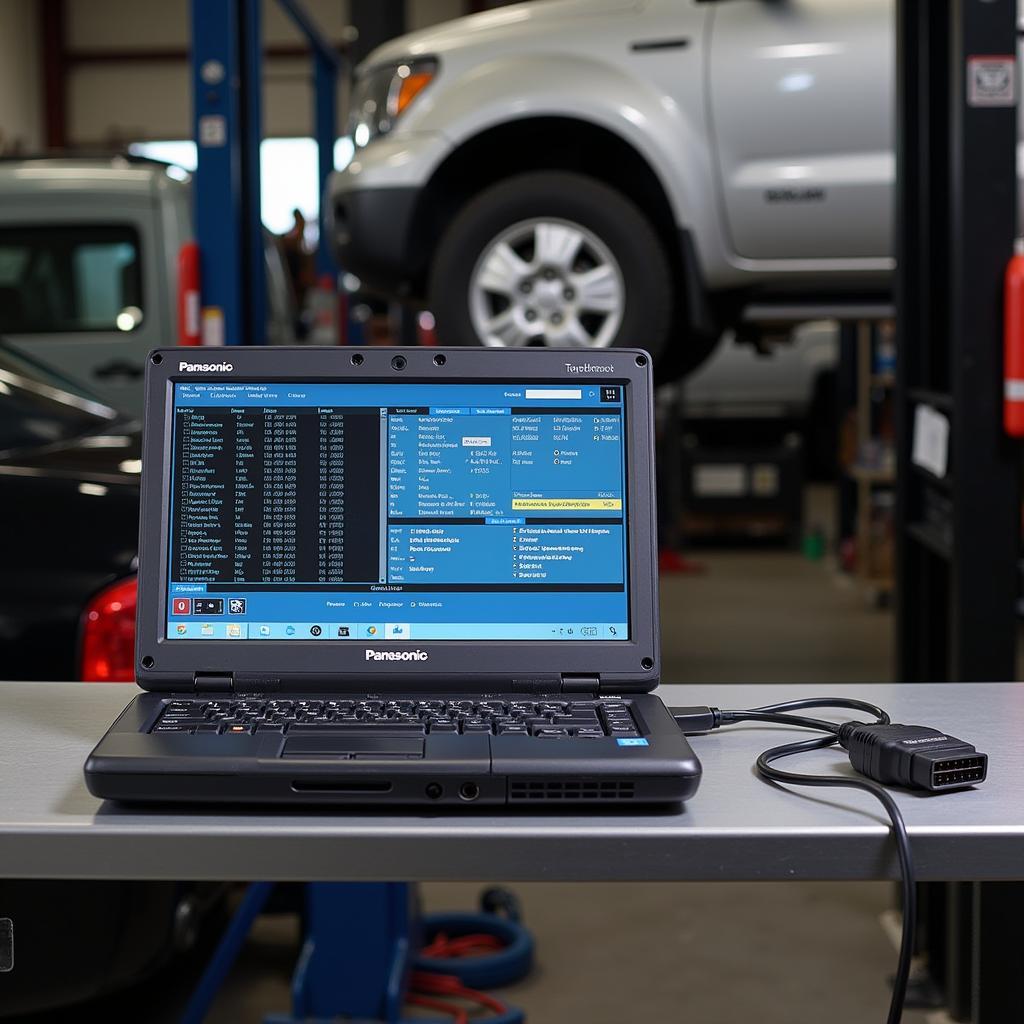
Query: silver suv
x: 643, y: 172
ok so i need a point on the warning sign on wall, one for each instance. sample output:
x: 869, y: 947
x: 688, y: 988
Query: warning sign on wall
x: 991, y: 81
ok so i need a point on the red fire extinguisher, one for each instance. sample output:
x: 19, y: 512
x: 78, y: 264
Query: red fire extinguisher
x: 1013, y: 343
x: 188, y: 295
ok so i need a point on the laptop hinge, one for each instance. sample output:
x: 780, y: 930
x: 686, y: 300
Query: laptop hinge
x: 213, y: 682
x: 581, y: 684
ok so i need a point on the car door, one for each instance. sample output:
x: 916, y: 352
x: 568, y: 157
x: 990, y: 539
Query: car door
x: 801, y: 107
x: 79, y: 291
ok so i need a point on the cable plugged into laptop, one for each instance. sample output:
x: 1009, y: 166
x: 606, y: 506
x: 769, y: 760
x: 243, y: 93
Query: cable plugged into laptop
x: 885, y: 754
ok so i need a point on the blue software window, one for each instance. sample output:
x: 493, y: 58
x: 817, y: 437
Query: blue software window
x: 398, y: 512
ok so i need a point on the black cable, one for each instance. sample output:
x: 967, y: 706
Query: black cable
x: 899, y: 831
x: 913, y: 756
x: 713, y: 718
x: 778, y: 718
x: 777, y: 713
x: 829, y: 702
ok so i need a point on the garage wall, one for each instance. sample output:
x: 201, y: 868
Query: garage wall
x: 111, y: 103
x: 20, y: 77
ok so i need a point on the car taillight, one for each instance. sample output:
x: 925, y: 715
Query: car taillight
x: 107, y: 652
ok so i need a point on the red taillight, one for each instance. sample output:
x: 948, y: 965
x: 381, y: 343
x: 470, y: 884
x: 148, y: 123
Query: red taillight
x: 108, y: 635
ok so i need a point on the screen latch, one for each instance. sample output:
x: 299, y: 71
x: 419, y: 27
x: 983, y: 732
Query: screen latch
x: 213, y: 682
x: 581, y: 684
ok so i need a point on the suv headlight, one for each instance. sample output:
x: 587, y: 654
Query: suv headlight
x: 383, y: 94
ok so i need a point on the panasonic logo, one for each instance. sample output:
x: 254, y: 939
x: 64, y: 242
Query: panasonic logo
x: 589, y: 368
x: 372, y: 655
x: 185, y: 367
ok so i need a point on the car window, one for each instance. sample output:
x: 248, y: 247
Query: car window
x: 69, y: 278
x: 39, y: 407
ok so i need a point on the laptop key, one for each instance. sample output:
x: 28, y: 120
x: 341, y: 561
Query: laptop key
x: 443, y: 727
x: 550, y: 733
x: 496, y: 707
x: 579, y: 719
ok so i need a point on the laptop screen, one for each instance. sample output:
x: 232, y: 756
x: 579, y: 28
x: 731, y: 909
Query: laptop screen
x: 392, y: 512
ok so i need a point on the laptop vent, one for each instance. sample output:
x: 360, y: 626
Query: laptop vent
x: 532, y: 790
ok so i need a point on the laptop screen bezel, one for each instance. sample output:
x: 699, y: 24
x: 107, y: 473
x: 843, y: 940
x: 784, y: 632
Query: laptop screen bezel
x: 266, y: 665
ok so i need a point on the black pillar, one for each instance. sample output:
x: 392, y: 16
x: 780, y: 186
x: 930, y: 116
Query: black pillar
x: 958, y: 525
x: 958, y: 531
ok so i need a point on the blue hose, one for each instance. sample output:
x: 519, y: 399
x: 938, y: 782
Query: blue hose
x: 489, y: 970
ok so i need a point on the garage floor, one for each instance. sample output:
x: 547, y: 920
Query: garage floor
x: 721, y: 953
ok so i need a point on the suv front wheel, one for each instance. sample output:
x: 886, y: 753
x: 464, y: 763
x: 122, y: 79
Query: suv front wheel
x: 553, y: 259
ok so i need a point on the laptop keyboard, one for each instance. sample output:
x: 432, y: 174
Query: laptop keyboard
x: 546, y: 719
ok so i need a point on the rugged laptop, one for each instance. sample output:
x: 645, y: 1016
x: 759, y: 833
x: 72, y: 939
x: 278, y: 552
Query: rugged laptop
x: 397, y: 576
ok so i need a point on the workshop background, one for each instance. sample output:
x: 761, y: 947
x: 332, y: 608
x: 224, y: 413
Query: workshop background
x: 719, y: 198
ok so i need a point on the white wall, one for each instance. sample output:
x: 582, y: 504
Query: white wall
x: 21, y: 106
x: 110, y: 104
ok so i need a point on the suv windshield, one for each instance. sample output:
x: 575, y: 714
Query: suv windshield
x: 72, y: 278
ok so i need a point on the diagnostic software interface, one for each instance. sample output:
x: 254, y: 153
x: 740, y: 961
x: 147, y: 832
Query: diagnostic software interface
x: 365, y: 511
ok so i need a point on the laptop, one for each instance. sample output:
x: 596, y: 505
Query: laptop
x: 386, y: 576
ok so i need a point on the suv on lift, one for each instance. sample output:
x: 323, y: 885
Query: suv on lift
x: 641, y: 172
x: 89, y: 267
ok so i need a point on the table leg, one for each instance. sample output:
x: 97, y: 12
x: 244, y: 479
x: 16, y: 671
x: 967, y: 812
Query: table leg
x: 998, y: 952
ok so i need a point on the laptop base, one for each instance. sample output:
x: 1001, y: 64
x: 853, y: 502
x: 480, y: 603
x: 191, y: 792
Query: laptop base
x: 361, y: 767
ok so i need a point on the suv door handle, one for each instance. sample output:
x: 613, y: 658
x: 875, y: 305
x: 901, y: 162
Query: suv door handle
x: 118, y: 368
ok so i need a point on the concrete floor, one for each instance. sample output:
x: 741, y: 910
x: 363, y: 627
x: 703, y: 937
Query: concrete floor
x: 725, y: 953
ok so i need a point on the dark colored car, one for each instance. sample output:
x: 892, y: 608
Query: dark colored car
x: 69, y: 483
x: 69, y: 472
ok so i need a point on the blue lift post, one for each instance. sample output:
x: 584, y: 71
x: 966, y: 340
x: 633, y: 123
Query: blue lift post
x: 327, y: 65
x: 359, y: 938
x: 226, y: 58
x: 358, y: 952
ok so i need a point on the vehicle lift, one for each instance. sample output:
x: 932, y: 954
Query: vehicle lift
x: 227, y: 122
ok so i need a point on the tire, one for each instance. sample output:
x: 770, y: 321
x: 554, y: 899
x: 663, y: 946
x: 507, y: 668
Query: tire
x: 615, y: 234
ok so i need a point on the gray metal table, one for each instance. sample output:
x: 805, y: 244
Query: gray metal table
x: 735, y: 828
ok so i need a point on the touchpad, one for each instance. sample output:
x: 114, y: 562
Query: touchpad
x: 353, y: 746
